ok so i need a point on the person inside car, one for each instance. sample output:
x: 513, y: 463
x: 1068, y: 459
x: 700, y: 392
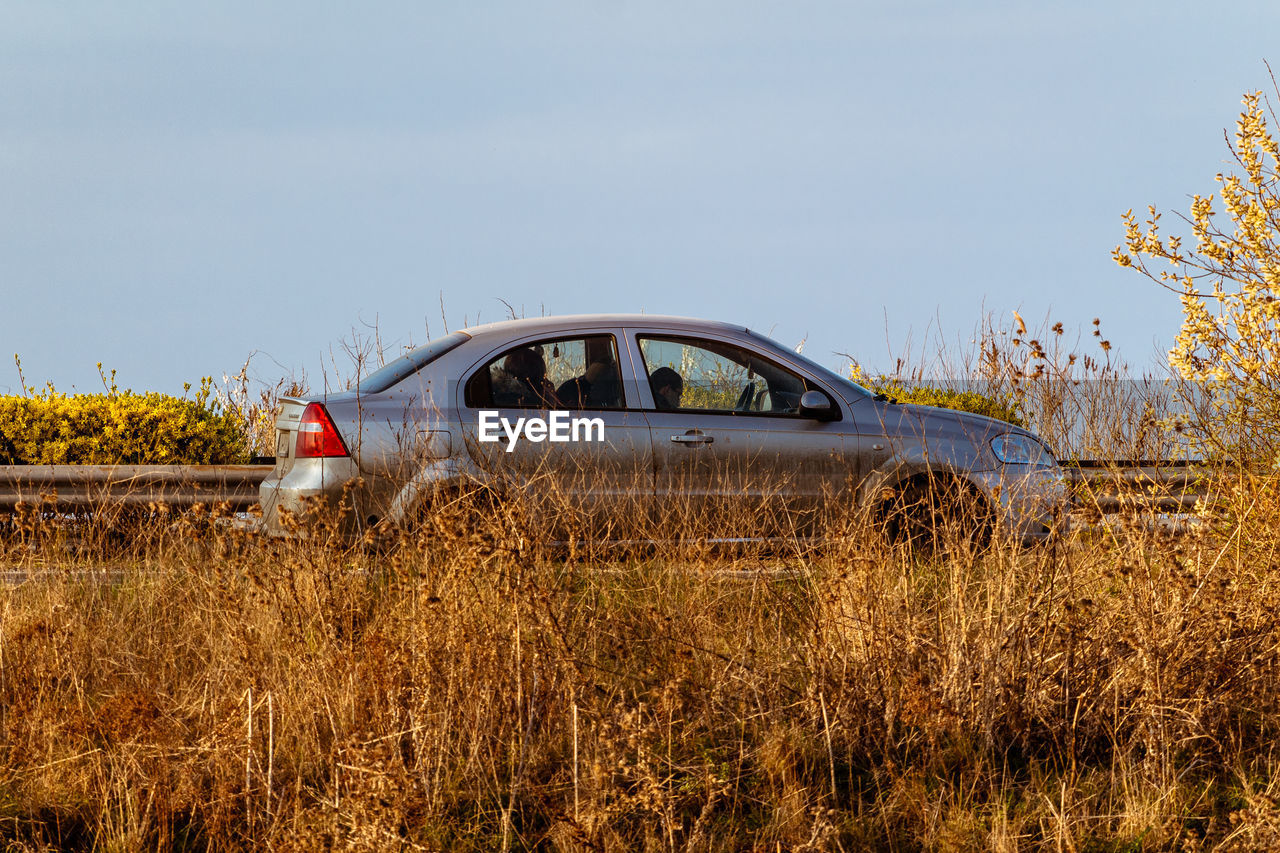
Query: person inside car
x: 523, y: 381
x: 598, y: 386
x: 667, y: 387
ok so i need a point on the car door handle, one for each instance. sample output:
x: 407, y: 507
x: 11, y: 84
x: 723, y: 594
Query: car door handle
x: 692, y: 438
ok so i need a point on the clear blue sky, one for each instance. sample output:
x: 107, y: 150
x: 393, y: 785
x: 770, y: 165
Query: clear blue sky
x: 186, y: 184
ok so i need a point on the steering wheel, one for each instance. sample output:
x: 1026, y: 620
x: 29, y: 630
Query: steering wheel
x: 745, y: 398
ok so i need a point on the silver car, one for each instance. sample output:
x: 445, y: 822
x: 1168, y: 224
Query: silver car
x: 640, y: 422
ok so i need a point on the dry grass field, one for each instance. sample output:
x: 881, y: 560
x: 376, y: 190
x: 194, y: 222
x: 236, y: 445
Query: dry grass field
x: 168, y: 682
x: 171, y: 684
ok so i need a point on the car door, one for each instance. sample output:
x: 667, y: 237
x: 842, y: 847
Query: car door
x: 552, y: 418
x: 733, y: 454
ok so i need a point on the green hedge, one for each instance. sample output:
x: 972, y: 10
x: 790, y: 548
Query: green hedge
x: 118, y: 429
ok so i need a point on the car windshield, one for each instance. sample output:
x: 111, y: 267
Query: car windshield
x: 409, y: 363
x: 825, y: 372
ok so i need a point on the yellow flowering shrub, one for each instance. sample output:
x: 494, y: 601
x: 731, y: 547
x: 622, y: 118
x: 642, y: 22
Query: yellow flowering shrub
x: 118, y: 428
x: 1227, y: 276
x: 1002, y: 407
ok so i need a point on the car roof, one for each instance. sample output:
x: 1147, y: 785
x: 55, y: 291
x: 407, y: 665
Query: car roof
x: 535, y: 325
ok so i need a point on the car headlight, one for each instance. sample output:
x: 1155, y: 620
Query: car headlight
x: 1013, y: 449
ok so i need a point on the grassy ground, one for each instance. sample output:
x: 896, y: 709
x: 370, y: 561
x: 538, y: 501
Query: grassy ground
x: 464, y: 689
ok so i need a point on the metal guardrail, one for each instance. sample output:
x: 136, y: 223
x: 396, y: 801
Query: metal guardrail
x: 1166, y: 486
x: 1128, y: 484
x: 77, y: 488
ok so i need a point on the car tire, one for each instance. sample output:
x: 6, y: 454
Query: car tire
x: 937, y: 514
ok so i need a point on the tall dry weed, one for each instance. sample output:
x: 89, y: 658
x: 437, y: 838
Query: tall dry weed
x: 465, y: 685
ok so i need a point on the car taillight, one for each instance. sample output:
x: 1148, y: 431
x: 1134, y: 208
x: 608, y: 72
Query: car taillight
x: 317, y: 436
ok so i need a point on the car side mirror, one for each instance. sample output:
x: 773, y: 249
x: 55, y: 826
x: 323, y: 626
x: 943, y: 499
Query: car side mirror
x: 816, y: 405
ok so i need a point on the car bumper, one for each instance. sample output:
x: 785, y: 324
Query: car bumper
x: 296, y: 496
x: 1032, y: 501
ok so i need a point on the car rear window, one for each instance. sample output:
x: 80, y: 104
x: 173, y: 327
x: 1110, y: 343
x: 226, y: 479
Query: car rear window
x: 409, y: 363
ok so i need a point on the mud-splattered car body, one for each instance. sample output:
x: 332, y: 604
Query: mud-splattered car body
x: 669, y: 413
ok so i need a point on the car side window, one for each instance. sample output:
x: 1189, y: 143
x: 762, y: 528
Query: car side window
x: 569, y: 373
x: 696, y: 375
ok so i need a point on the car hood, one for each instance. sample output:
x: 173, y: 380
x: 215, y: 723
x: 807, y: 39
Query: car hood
x: 936, y: 416
x: 938, y: 427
